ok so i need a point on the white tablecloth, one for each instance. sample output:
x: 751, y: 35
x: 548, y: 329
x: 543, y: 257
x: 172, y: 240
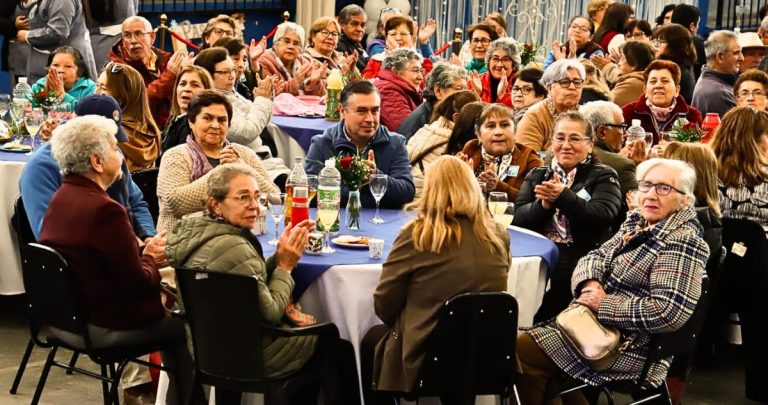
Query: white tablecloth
x: 11, y: 281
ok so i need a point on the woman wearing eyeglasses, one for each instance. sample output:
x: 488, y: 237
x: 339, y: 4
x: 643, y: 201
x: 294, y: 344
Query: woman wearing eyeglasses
x: 297, y: 74
x: 480, y: 37
x: 662, y: 104
x: 527, y: 91
x: 323, y: 38
x: 399, y: 83
x: 750, y: 89
x: 573, y: 202
x: 218, y: 27
x: 629, y: 86
x: 503, y: 62
x: 400, y: 32
x: 581, y: 31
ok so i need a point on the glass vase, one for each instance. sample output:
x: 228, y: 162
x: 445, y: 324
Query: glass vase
x: 353, y: 210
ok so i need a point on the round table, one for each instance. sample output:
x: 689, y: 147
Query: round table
x: 302, y: 129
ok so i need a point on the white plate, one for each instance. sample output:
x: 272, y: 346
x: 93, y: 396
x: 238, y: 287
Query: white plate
x: 345, y: 241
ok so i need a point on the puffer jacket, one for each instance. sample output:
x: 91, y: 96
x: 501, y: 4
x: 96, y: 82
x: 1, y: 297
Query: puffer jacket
x: 200, y: 242
x: 425, y: 146
x: 399, y: 98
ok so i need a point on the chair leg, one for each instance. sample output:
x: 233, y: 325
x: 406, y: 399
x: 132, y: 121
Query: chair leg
x: 517, y: 395
x: 44, y: 375
x: 22, y: 366
x: 116, y: 382
x: 72, y: 362
x: 104, y: 383
x: 608, y: 395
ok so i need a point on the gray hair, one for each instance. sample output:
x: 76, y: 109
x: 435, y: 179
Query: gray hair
x: 600, y: 112
x: 133, y: 19
x: 74, y: 143
x: 352, y: 10
x: 559, y: 71
x: 686, y: 177
x: 444, y: 75
x: 764, y: 24
x: 507, y: 45
x: 399, y: 59
x: 220, y: 177
x: 287, y: 28
x: 718, y: 41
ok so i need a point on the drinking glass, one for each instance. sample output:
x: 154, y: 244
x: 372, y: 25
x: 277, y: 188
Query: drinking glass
x: 33, y: 119
x: 327, y: 213
x: 497, y: 202
x: 648, y: 142
x: 313, y: 183
x: 5, y: 104
x: 62, y: 112
x: 276, y: 206
x: 483, y: 189
x: 19, y: 106
x: 504, y: 213
x: 378, y: 187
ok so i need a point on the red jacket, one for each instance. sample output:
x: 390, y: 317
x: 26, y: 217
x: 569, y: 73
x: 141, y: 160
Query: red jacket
x: 398, y: 98
x: 119, y: 287
x: 159, y: 84
x: 485, y: 95
x: 374, y: 66
x: 638, y: 110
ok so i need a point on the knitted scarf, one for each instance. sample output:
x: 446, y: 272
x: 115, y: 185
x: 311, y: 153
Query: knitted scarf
x: 478, y: 65
x: 200, y: 163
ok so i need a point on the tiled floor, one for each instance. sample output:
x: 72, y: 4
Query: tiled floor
x: 714, y: 385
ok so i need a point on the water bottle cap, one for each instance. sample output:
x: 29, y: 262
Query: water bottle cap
x: 636, y: 123
x: 330, y: 163
x: 300, y: 192
x: 23, y: 80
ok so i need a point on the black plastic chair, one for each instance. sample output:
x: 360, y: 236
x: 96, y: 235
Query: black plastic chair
x: 664, y: 345
x: 25, y: 236
x: 54, y: 303
x: 227, y: 333
x: 472, y: 350
x: 146, y: 180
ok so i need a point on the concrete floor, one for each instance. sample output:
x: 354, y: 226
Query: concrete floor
x: 715, y: 385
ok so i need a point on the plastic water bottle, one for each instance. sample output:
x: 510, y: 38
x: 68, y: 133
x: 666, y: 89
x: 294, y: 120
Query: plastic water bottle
x: 298, y: 177
x: 329, y: 188
x: 22, y: 89
x: 635, y: 132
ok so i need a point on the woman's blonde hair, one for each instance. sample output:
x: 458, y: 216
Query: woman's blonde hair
x: 736, y: 144
x: 704, y: 162
x: 127, y: 86
x: 205, y: 79
x: 320, y: 25
x: 450, y: 192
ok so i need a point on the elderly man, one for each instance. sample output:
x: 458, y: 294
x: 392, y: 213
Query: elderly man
x: 753, y: 49
x: 714, y: 89
x: 352, y: 19
x: 444, y: 80
x: 359, y: 133
x: 157, y: 67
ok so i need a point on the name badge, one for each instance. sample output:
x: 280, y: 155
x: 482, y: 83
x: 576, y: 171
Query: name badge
x: 739, y: 249
x: 584, y: 194
x: 512, y: 171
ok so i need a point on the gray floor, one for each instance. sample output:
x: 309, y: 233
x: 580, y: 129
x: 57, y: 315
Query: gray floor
x: 721, y: 384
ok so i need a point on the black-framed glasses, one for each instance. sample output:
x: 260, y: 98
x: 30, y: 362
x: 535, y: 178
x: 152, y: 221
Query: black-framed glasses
x: 622, y: 127
x: 635, y: 35
x: 661, y: 188
x: 114, y: 67
x: 526, y: 90
x: 222, y: 31
x: 566, y: 83
x: 505, y: 59
x: 389, y: 10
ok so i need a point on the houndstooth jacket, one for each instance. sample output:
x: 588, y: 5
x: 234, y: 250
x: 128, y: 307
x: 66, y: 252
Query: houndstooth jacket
x: 653, y: 287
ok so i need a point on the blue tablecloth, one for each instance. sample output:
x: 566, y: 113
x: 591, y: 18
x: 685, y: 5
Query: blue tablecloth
x: 302, y: 129
x: 312, y: 267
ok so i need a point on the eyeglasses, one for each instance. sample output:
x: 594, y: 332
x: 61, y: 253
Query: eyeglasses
x: 326, y: 34
x: 222, y: 31
x: 288, y: 42
x: 398, y: 34
x: 658, y: 42
x: 480, y: 41
x: 565, y: 83
x: 573, y: 140
x: 114, y: 67
x: 505, y: 59
x: 622, y: 127
x: 417, y: 70
x: 230, y: 72
x: 661, y: 188
x: 525, y: 90
x: 246, y: 199
x: 137, y: 34
x: 754, y: 94
x: 636, y: 35
x: 579, y: 28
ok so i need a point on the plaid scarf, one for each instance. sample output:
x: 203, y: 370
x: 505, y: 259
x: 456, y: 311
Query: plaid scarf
x: 559, y: 230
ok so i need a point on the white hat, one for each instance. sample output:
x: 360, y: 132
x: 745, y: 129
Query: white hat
x: 750, y: 40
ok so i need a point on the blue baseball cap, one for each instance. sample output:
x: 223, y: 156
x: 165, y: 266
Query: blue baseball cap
x: 106, y: 106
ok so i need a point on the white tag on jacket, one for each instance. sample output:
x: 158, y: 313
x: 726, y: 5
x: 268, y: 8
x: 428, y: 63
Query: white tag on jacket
x: 584, y: 194
x: 739, y: 249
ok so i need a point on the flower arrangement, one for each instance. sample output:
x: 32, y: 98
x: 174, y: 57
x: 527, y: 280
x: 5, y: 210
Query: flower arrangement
x: 684, y: 131
x: 44, y: 98
x: 529, y: 52
x: 354, y: 174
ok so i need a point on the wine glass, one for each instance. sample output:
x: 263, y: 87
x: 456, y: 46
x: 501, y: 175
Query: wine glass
x: 62, y: 111
x: 497, y: 202
x: 504, y: 213
x: 378, y: 187
x: 5, y: 104
x: 18, y: 108
x: 327, y: 213
x: 33, y: 119
x: 483, y: 189
x: 276, y: 206
x: 313, y: 183
x: 648, y: 142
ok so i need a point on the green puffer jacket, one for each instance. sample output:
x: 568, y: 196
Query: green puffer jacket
x: 199, y: 242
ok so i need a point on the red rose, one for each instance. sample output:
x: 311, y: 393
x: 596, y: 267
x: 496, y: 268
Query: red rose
x: 690, y: 126
x: 346, y: 162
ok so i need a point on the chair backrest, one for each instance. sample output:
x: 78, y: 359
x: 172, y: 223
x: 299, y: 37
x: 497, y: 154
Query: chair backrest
x: 472, y: 349
x: 21, y: 225
x: 749, y: 234
x: 51, y: 293
x: 224, y: 318
x: 146, y: 180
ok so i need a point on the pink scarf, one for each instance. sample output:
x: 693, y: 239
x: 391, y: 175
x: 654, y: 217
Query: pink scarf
x: 661, y: 113
x: 200, y: 163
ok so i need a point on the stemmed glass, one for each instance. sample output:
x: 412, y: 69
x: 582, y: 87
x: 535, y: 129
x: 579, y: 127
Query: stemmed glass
x: 276, y: 205
x: 497, y: 202
x: 5, y: 104
x: 378, y: 187
x: 18, y: 109
x: 33, y: 119
x: 327, y: 212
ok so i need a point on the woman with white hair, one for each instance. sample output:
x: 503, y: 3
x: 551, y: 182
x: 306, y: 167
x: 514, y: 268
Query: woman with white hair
x: 116, y: 280
x: 503, y: 62
x: 399, y: 83
x: 297, y: 73
x: 564, y: 80
x: 643, y: 281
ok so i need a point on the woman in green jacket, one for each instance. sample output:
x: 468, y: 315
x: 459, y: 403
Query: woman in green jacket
x: 67, y: 76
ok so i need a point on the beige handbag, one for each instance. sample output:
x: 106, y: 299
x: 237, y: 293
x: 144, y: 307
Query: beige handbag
x: 597, y: 344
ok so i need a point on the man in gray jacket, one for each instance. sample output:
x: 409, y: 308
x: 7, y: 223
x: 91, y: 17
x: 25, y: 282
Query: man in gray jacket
x: 714, y: 89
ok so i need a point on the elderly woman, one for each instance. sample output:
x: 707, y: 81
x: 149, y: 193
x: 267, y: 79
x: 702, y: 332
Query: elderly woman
x: 431, y: 141
x: 444, y: 80
x: 564, y: 80
x: 580, y: 45
x: 117, y: 281
x: 495, y: 85
x: 527, y: 90
x: 480, y: 37
x: 662, y: 104
x: 181, y: 182
x: 634, y: 31
x: 673, y: 42
x: 645, y: 280
x: 400, y: 32
x: 750, y: 89
x: 67, y: 76
x: 323, y: 38
x: 125, y: 84
x: 447, y: 252
x: 629, y: 86
x: 610, y: 34
x: 573, y: 202
x: 497, y: 160
x: 399, y: 83
x: 245, y: 79
x: 191, y: 80
x: 298, y: 74
x: 218, y: 27
x: 638, y: 30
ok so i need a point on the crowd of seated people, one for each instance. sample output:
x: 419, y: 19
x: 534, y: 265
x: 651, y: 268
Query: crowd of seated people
x: 551, y: 135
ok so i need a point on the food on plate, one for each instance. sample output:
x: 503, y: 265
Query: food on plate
x: 352, y: 240
x: 16, y: 145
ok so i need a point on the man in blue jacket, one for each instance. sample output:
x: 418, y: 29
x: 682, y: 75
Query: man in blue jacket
x: 359, y: 133
x: 41, y: 176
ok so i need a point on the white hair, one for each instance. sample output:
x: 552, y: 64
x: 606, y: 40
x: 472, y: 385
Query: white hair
x: 600, y: 113
x: 718, y: 41
x: 73, y: 143
x: 288, y: 27
x: 685, y: 177
x: 559, y: 71
x: 764, y: 24
x: 132, y: 19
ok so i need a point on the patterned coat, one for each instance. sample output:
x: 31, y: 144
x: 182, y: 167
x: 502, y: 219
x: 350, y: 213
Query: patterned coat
x: 653, y: 287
